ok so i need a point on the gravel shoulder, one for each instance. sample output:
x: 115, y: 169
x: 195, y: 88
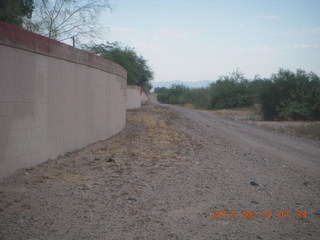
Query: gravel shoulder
x: 162, y: 177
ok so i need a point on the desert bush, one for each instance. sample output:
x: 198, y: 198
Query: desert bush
x: 291, y: 96
x: 231, y: 91
x: 201, y: 97
x: 285, y: 96
x: 176, y: 94
x: 138, y: 71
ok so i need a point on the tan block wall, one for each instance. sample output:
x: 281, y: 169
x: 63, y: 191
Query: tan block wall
x: 133, y: 97
x: 53, y: 99
x: 144, y: 97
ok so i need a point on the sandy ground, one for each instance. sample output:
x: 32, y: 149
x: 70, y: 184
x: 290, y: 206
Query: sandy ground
x: 163, y: 177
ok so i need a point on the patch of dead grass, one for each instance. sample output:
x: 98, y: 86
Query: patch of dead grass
x: 252, y: 115
x: 161, y: 133
x: 304, y: 129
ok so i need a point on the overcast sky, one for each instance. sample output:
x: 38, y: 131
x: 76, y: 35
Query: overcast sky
x: 195, y: 40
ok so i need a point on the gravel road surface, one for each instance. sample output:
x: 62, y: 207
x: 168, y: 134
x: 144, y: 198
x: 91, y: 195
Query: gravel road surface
x: 173, y: 173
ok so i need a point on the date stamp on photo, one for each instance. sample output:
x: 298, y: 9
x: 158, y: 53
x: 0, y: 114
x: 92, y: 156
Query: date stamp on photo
x: 259, y: 214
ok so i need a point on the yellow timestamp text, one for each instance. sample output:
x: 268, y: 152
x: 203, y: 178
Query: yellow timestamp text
x: 248, y: 214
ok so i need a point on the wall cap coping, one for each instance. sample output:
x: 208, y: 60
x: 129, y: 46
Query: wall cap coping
x: 19, y: 38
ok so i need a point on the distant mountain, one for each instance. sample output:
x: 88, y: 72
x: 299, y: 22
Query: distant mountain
x: 199, y: 84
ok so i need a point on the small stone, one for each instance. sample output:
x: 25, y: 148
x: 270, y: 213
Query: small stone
x: 132, y: 199
x: 253, y: 183
x: 97, y: 159
x: 306, y: 184
x: 208, y: 126
x: 110, y: 160
x: 254, y: 202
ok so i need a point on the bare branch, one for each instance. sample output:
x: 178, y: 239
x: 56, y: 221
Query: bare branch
x: 62, y: 19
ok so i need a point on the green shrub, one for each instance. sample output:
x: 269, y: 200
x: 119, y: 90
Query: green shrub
x: 201, y: 97
x: 231, y: 91
x: 138, y: 71
x: 177, y: 94
x: 292, y: 96
x: 286, y: 96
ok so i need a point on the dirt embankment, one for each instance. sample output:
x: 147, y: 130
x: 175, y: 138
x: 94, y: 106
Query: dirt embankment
x: 162, y: 177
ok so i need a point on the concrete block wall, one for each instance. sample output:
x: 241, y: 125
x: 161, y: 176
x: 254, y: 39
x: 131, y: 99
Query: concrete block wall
x: 144, y: 97
x: 53, y: 99
x: 133, y: 97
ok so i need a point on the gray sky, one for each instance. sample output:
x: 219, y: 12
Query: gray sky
x: 194, y: 40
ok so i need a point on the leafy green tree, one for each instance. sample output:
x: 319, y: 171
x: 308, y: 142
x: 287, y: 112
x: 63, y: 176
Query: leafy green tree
x: 176, y: 94
x: 179, y: 94
x: 257, y: 87
x: 292, y: 96
x: 146, y: 86
x: 201, y: 97
x: 15, y: 11
x: 231, y: 91
x: 160, y: 89
x: 162, y: 94
x: 139, y: 72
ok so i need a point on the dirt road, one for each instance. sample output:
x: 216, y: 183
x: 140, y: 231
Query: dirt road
x: 167, y: 176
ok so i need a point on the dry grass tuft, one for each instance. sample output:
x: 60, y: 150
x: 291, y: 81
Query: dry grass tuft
x: 306, y: 129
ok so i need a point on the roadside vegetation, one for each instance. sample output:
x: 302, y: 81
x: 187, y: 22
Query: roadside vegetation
x: 138, y: 70
x: 16, y: 12
x: 286, y: 95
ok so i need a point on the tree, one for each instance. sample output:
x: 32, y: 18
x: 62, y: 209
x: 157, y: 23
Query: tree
x: 292, y: 96
x: 201, y: 97
x: 231, y: 91
x: 176, y: 94
x: 66, y: 19
x: 162, y: 94
x: 139, y: 72
x: 15, y: 11
x: 257, y: 87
